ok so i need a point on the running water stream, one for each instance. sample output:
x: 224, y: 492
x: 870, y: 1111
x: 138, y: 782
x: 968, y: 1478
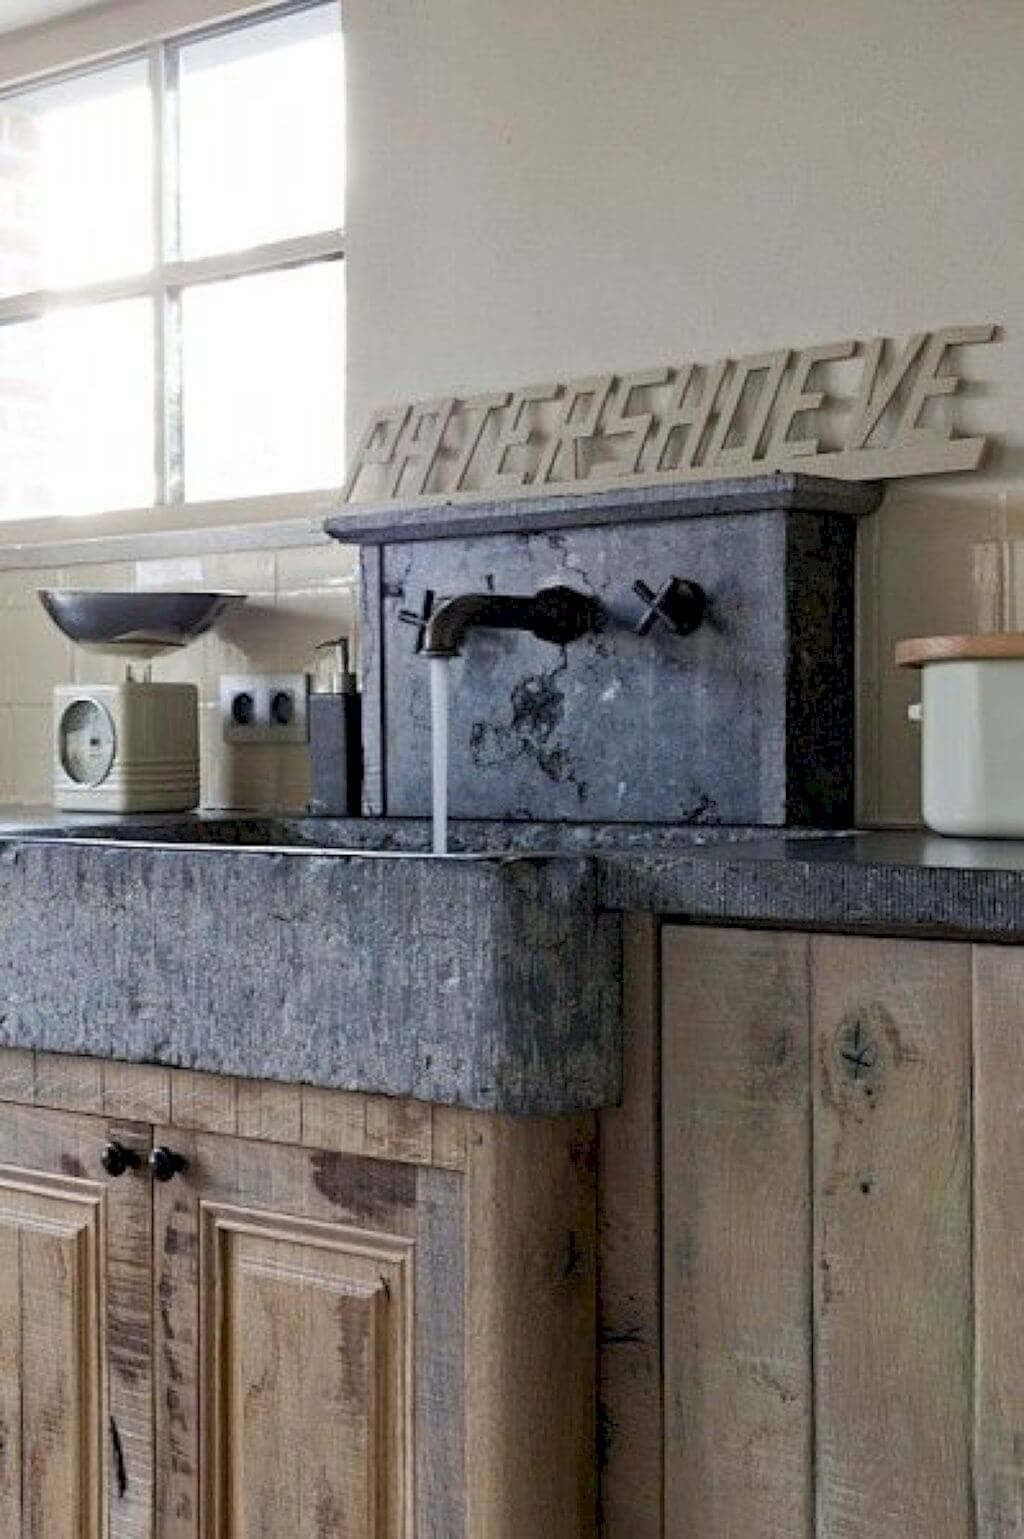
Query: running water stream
x: 439, y: 750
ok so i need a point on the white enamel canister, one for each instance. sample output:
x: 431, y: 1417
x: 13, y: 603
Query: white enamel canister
x: 972, y: 732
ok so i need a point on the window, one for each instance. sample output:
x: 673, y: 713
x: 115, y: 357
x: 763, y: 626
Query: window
x: 171, y: 283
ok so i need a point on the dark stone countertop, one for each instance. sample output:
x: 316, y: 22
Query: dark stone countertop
x: 891, y: 882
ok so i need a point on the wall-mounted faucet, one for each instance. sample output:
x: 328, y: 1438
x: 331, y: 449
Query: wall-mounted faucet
x: 558, y: 614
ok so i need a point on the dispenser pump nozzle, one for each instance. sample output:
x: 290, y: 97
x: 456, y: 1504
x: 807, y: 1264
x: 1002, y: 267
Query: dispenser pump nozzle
x: 332, y: 674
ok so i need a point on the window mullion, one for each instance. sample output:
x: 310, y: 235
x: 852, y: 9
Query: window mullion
x: 169, y: 435
x: 274, y: 256
x: 174, y: 427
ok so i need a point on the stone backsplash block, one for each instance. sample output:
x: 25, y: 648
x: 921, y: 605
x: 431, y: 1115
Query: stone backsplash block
x: 749, y: 720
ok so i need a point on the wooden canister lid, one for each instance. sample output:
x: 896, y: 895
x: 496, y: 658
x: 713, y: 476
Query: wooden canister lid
x: 919, y: 650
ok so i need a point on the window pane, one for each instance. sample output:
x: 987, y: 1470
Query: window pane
x: 76, y: 167
x: 76, y: 412
x: 263, y: 383
x: 263, y: 133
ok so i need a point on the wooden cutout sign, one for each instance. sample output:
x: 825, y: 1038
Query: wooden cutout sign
x: 699, y: 422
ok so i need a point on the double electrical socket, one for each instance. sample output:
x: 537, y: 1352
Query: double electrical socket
x: 264, y: 707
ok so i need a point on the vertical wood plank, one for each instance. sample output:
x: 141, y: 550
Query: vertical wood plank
x: 11, y: 1388
x: 64, y: 1081
x: 270, y: 1111
x: 440, y: 1356
x: 999, y: 1244
x: 531, y: 1328
x: 399, y: 1130
x: 449, y: 1137
x: 629, y: 1261
x: 205, y: 1103
x: 176, y: 1360
x: 736, y: 1135
x: 52, y: 1392
x: 892, y: 1237
x: 333, y: 1119
x: 141, y: 1092
x: 129, y: 1328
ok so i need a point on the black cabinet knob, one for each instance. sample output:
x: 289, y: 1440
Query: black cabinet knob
x: 116, y: 1159
x: 165, y: 1164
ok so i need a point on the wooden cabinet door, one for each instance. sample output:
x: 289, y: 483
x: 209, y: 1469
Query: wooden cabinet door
x: 76, y: 1452
x: 824, y: 1244
x: 285, y: 1331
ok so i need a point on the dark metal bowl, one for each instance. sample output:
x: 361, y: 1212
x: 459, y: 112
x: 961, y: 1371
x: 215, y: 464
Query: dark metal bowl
x: 136, y: 624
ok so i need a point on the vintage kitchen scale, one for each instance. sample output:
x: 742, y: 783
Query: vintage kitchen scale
x: 131, y: 746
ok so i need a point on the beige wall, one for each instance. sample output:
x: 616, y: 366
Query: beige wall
x: 547, y: 189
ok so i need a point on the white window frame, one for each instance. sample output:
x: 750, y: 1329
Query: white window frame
x: 160, y: 46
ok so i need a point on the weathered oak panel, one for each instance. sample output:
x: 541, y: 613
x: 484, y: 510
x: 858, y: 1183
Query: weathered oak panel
x: 531, y: 1329
x: 306, y: 1415
x: 629, y: 1260
x: 892, y: 1238
x: 737, y: 1142
x: 76, y: 1446
x: 998, y: 1241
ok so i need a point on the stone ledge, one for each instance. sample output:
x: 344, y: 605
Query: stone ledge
x: 436, y: 519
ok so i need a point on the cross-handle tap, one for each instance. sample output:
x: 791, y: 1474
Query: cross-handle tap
x: 557, y: 614
x: 678, y: 604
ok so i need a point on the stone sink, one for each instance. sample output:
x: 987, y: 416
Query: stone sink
x: 278, y: 949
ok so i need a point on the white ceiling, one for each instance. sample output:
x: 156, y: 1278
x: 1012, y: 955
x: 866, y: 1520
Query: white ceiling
x: 27, y: 13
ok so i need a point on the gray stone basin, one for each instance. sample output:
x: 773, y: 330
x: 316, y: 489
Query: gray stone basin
x: 276, y: 949
x: 346, y: 836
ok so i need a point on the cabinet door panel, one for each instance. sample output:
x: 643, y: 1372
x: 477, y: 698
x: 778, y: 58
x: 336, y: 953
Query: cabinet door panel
x: 285, y: 1320
x: 76, y: 1412
x: 306, y: 1344
x: 51, y: 1390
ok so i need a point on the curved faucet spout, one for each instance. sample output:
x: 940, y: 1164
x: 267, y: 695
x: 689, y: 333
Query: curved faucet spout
x: 557, y: 614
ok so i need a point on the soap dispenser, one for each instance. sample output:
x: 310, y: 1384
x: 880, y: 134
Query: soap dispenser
x: 335, y: 734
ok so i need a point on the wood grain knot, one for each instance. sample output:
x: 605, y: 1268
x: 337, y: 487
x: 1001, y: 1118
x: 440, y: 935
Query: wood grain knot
x: 858, y: 1051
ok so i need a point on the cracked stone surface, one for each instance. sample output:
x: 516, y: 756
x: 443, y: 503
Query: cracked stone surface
x: 747, y: 721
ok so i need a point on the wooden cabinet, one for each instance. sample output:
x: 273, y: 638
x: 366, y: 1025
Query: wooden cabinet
x: 76, y: 1452
x: 291, y: 1341
x: 842, y: 1161
x: 288, y: 1307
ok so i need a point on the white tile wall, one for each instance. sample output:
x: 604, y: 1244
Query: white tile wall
x: 296, y: 598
